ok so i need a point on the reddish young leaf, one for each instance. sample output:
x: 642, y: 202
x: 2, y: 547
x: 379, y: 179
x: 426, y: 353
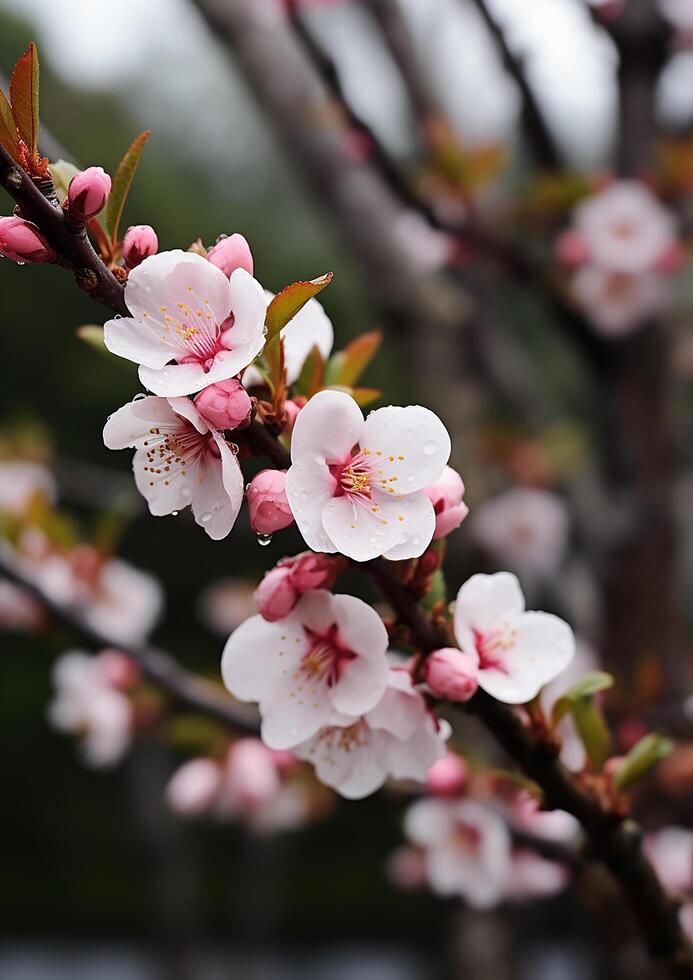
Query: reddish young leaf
x: 288, y: 302
x: 9, y: 138
x: 24, y: 95
x: 122, y: 182
x: 348, y: 365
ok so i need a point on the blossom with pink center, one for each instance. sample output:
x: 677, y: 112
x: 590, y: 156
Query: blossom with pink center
x: 524, y: 529
x: 327, y: 655
x: 467, y: 849
x: 357, y: 486
x: 625, y: 228
x: 191, y: 326
x: 398, y: 738
x: 446, y: 496
x: 615, y: 302
x: 87, y: 705
x: 517, y: 651
x: 310, y: 327
x: 179, y: 461
x: 282, y: 586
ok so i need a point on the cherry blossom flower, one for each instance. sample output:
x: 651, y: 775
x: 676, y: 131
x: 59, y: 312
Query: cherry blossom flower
x: 625, y: 228
x: 327, y: 655
x: 399, y: 738
x: 533, y: 876
x: 21, y: 482
x: 467, y: 849
x: 190, y: 325
x: 524, y: 529
x: 87, y: 705
x: 179, y: 461
x: 615, y: 302
x: 518, y: 652
x: 356, y: 486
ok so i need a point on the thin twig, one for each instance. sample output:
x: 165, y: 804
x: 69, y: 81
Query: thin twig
x: 160, y: 667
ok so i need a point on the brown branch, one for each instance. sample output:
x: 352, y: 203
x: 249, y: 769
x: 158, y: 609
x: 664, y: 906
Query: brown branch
x: 160, y: 667
x: 537, y: 128
x: 74, y: 248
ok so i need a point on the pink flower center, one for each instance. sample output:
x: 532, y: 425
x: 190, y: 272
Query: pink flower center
x: 468, y: 836
x: 493, y: 646
x: 191, y: 328
x: 326, y: 657
x: 170, y: 452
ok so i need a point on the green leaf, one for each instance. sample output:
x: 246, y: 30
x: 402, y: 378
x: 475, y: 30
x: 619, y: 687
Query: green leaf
x: 24, y: 96
x: 347, y: 366
x: 62, y: 173
x: 437, y: 591
x: 310, y: 379
x: 365, y: 396
x: 587, y: 686
x: 287, y: 303
x: 642, y: 757
x: 9, y: 138
x: 92, y: 334
x: 592, y: 730
x: 122, y: 181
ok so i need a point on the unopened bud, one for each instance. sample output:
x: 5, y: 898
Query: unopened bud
x: 447, y: 776
x: 87, y: 195
x: 139, y: 243
x: 451, y: 674
x: 230, y: 254
x: 22, y: 242
x: 267, y: 502
x: 225, y: 404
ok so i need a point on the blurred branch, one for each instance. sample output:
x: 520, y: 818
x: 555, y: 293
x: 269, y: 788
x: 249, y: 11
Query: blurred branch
x: 537, y: 128
x: 74, y: 248
x: 160, y: 667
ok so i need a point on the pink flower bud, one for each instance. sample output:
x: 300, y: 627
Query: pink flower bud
x: 570, y: 249
x: 87, y: 194
x: 276, y: 595
x: 225, y: 404
x: 194, y: 788
x: 447, y: 776
x: 139, y: 243
x: 22, y: 242
x: 267, y: 503
x: 451, y: 674
x: 230, y: 254
x: 446, y: 496
x: 314, y: 571
x: 118, y: 670
x: 251, y: 777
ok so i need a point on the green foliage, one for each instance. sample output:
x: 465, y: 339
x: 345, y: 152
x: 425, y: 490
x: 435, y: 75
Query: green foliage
x: 650, y: 750
x: 122, y: 181
x: 587, y: 686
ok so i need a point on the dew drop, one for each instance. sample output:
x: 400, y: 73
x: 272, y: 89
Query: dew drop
x: 206, y: 518
x: 234, y: 448
x: 139, y: 396
x: 264, y: 539
x: 174, y: 513
x: 429, y: 448
x: 117, y: 317
x: 21, y: 263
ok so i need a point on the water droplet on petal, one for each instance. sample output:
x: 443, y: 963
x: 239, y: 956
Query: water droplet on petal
x: 206, y: 518
x: 430, y: 448
x: 117, y: 317
x: 139, y: 396
x: 234, y: 448
x: 264, y: 539
x: 174, y: 513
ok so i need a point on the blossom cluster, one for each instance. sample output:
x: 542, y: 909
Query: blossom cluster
x: 621, y: 246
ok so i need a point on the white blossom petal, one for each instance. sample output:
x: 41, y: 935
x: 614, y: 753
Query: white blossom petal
x: 329, y: 426
x: 411, y: 443
x: 309, y: 486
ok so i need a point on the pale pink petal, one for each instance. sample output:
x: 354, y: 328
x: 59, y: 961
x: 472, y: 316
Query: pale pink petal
x: 131, y: 423
x: 428, y: 822
x: 358, y: 532
x: 417, y: 526
x: 257, y: 652
x: 309, y: 486
x: 246, y: 337
x: 145, y: 289
x: 186, y: 408
x: 329, y: 425
x: 485, y: 602
x: 410, y: 444
x: 138, y: 341
x: 165, y: 491
x: 294, y: 711
x: 316, y: 610
x: 218, y: 492
x: 401, y: 710
x: 413, y: 757
x: 543, y: 648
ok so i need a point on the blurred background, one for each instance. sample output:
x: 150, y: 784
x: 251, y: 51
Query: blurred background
x: 432, y: 154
